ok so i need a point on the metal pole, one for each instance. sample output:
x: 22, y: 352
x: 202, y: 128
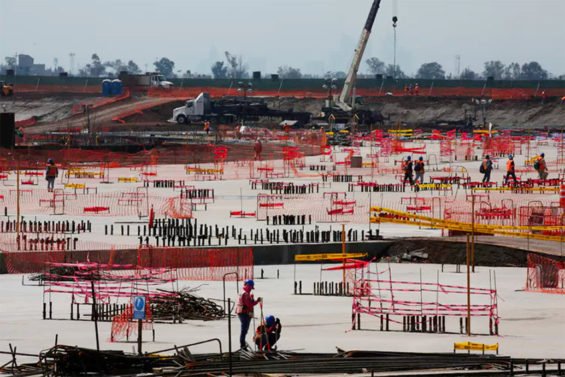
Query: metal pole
x: 139, y: 335
x: 95, y: 315
x: 473, y: 232
x: 229, y: 337
x: 343, y: 251
x: 468, y: 322
x: 18, y: 198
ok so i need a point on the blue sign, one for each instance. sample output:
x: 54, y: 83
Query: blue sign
x: 139, y: 307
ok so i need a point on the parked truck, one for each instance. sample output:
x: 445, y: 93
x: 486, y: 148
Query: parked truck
x: 146, y: 80
x: 232, y: 109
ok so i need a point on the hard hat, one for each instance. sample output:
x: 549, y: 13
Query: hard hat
x: 543, y: 154
x: 249, y: 282
x: 408, y: 158
x: 421, y: 159
x: 270, y: 320
x: 510, y: 156
x: 50, y: 160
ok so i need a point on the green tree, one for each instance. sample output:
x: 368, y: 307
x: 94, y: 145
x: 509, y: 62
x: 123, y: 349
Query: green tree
x: 165, y: 66
x: 512, y: 71
x: 376, y: 66
x: 494, y: 68
x: 237, y: 69
x: 133, y: 68
x: 533, y: 71
x: 219, y: 70
x: 431, y: 71
x: 10, y: 61
x: 469, y: 74
x: 287, y: 72
x: 395, y: 72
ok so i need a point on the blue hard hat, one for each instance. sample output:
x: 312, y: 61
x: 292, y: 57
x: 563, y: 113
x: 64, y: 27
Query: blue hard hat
x: 270, y: 320
x: 50, y: 160
x: 510, y: 156
x: 408, y: 158
x: 250, y: 283
x: 543, y: 154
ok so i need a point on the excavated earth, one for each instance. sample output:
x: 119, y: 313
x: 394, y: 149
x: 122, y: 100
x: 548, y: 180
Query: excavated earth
x: 421, y: 111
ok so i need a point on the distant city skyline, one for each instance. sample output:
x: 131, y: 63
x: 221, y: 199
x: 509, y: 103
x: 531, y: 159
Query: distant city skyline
x: 313, y: 35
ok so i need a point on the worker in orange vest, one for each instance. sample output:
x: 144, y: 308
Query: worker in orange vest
x: 510, y: 170
x: 207, y: 127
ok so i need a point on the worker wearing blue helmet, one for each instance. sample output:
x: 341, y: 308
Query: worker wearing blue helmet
x: 244, y: 309
x: 268, y: 333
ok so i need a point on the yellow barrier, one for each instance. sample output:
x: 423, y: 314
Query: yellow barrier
x: 435, y: 186
x: 550, y: 189
x: 401, y: 131
x: 329, y: 257
x: 204, y: 171
x: 76, y: 186
x: 407, y: 218
x: 82, y: 173
x: 128, y: 179
x: 470, y: 346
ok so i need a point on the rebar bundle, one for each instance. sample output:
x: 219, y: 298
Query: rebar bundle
x: 183, y: 306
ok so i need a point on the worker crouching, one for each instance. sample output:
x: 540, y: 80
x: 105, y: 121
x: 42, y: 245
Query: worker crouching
x: 268, y: 333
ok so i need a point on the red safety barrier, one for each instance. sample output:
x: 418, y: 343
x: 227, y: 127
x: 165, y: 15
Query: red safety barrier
x: 96, y: 209
x: 242, y: 214
x: 545, y: 275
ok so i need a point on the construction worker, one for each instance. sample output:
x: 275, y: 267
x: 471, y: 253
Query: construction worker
x: 258, y: 148
x: 244, y: 310
x: 207, y: 127
x: 541, y: 166
x: 417, y: 89
x: 419, y: 170
x: 486, y: 169
x: 268, y: 333
x: 407, y: 168
x: 510, y: 169
x: 51, y: 173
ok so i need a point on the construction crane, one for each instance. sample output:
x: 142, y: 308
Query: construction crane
x: 345, y: 96
x: 343, y: 111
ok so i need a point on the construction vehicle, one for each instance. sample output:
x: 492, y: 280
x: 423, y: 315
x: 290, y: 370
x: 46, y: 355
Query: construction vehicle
x: 344, y: 110
x: 6, y: 90
x: 232, y: 109
x: 148, y: 79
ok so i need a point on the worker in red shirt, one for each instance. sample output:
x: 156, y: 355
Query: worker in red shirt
x: 244, y: 310
x: 258, y: 148
x: 51, y: 173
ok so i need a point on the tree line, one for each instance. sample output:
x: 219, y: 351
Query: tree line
x: 235, y: 67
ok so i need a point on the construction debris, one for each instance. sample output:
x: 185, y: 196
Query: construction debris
x: 62, y: 360
x: 184, y: 306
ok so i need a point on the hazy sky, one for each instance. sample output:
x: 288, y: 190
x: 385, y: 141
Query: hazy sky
x: 313, y: 35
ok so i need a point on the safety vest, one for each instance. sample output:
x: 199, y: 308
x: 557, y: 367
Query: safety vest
x: 510, y: 166
x: 242, y: 307
x: 52, y: 171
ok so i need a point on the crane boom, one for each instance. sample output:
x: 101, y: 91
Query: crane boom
x: 345, y: 95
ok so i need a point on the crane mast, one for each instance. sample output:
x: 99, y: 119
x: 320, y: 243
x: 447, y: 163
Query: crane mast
x: 345, y: 95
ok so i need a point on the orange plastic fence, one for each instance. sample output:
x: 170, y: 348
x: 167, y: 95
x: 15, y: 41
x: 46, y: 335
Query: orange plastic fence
x: 200, y: 264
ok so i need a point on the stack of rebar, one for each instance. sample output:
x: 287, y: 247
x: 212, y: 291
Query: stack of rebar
x: 182, y: 305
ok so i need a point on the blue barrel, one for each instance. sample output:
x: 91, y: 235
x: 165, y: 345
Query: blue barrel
x: 117, y: 87
x: 106, y: 88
